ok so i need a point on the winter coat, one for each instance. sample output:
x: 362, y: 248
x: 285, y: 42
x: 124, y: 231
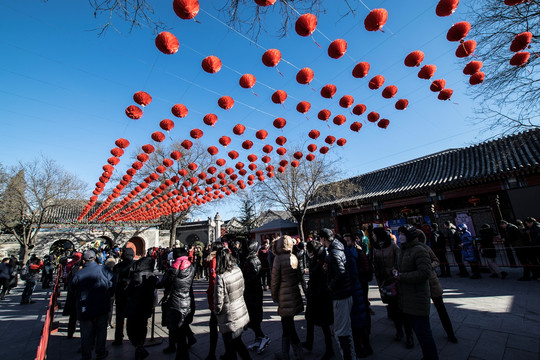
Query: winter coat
x: 141, y: 289
x: 93, y: 287
x: 365, y: 270
x: 486, y: 242
x: 339, y: 280
x: 211, y: 263
x: 435, y: 287
x: 229, y: 304
x: 359, y: 308
x: 468, y: 251
x: 414, y: 272
x: 253, y: 294
x: 5, y: 271
x: 121, y: 274
x: 513, y: 235
x: 34, y: 271
x: 534, y: 234
x: 319, y: 308
x: 262, y: 254
x: 177, y: 282
x: 286, y: 279
x: 437, y: 240
x: 385, y: 259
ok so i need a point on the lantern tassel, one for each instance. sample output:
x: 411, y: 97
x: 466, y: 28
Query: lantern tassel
x: 315, y: 41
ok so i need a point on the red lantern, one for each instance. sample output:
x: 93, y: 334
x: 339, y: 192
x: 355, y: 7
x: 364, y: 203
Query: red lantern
x: 445, y: 94
x: 472, y: 67
x: 220, y: 162
x: 224, y: 140
x: 305, y: 76
x: 337, y: 48
x: 186, y: 9
x: 414, y: 58
x: 212, y: 170
x: 196, y: 133
x: 427, y: 72
x: 148, y: 148
x: 373, y: 116
x: 279, y: 97
x: 281, y: 151
x: 179, y: 110
x: 212, y: 150
x: 303, y: 107
x: 437, y: 85
x: 192, y: 166
x: 376, y: 19
x: 211, y: 64
x: 226, y: 102
x: 161, y: 169
x: 473, y: 200
x: 176, y: 155
x: 168, y: 162
x: 356, y: 126
x: 513, y: 2
x: 521, y: 41
x: 279, y: 123
x: 247, y: 81
x: 376, y: 82
x: 323, y: 150
x: 113, y: 160
x: 209, y: 119
x: 233, y: 154
x: 330, y: 140
x: 142, y: 98
x: 186, y: 144
x: 312, y: 147
x: 341, y: 141
x: 247, y: 144
x: 310, y: 157
x: 446, y: 7
x: 458, y: 31
x: 134, y: 112
x: 402, y: 104
x: 383, y: 123
x: 466, y: 48
x: 520, y: 58
x: 314, y: 134
x: 167, y: 43
x: 389, y: 91
x: 295, y: 163
x: 298, y: 155
x: 477, y: 78
x: 346, y: 101
x: 158, y: 136
x: 328, y: 91
x: 324, y: 114
x: 340, y: 120
x: 306, y: 24
x: 283, y: 163
x: 252, y: 157
x: 359, y: 109
x: 268, y: 148
x: 239, y: 165
x: 281, y: 140
x: 117, y: 152
x: 166, y: 124
x: 361, y: 70
x: 142, y: 157
x: 261, y: 134
x: 239, y: 129
x: 271, y: 57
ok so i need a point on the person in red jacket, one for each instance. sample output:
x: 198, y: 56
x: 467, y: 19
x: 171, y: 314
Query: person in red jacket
x: 34, y: 266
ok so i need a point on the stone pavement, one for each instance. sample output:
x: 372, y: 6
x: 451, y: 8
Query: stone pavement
x: 493, y: 319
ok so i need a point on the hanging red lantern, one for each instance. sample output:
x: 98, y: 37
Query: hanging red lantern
x: 330, y: 140
x: 192, y: 166
x: 376, y: 82
x: 340, y: 120
x: 310, y: 157
x: 281, y: 151
x: 473, y: 200
x: 305, y: 76
x: 158, y: 136
x: 211, y: 64
x: 445, y: 94
x: 226, y: 102
x: 142, y: 157
x: 520, y: 58
x: 167, y: 43
x: 298, y: 155
x: 113, y: 160
x: 148, y: 148
x: 239, y: 129
x: 477, y: 78
x: 303, y: 107
x: 179, y: 110
x: 166, y: 124
x: 466, y: 48
x: 220, y: 162
x: 211, y: 170
x: 247, y: 144
x: 161, y: 169
x: 247, y: 81
x: 267, y: 148
x: 212, y: 150
x: 261, y: 134
x: 202, y: 176
x: 389, y: 92
x: 356, y: 126
x: 414, y: 58
x: 427, y: 72
x: 373, y: 116
x: 252, y: 157
x: 341, y: 141
x: 186, y: 144
x: 361, y: 70
x: 239, y: 165
x: 312, y: 147
x: 210, y: 120
x: 458, y: 31
x: 279, y: 97
x: 271, y: 57
x: 513, y: 2
x: 314, y: 134
x: 402, y: 104
x: 472, y: 67
x: 196, y: 133
x: 283, y: 163
x: 383, y: 123
x: 134, y: 112
x: 306, y: 24
x: 346, y: 101
x: 324, y: 114
x: 437, y: 85
x: 446, y: 7
x: 279, y: 123
x: 281, y: 140
x: 142, y: 98
x: 337, y: 48
x: 359, y: 109
x: 224, y: 140
x: 376, y: 19
x: 233, y: 154
x: 176, y: 155
x: 168, y: 162
x: 323, y: 150
x: 328, y: 91
x: 186, y: 9
x: 117, y: 152
x: 521, y: 41
x: 295, y: 163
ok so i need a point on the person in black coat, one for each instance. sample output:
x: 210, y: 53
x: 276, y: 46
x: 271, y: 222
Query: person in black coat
x: 5, y: 274
x: 438, y: 245
x: 121, y: 274
x: 300, y: 254
x: 487, y: 249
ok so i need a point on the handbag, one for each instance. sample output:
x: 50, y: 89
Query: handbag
x: 388, y: 292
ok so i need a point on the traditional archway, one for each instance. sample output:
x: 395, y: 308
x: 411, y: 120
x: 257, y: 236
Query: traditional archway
x: 138, y: 245
x: 191, y: 239
x: 105, y: 242
x: 61, y: 246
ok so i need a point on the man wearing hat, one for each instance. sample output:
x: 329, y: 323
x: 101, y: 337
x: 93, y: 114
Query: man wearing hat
x: 93, y: 287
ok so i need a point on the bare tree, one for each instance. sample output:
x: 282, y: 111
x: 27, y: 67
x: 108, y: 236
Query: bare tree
x: 37, y: 188
x: 508, y: 98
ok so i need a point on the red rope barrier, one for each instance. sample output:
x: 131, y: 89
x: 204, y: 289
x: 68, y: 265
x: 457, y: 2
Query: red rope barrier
x: 42, y: 348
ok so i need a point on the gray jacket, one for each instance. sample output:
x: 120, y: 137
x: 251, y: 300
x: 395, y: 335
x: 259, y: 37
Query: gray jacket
x: 229, y: 305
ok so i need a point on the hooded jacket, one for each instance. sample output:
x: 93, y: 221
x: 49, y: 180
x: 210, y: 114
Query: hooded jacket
x: 253, y: 294
x: 339, y: 280
x: 229, y: 305
x: 92, y: 286
x: 286, y: 279
x: 319, y: 299
x: 177, y: 282
x: 121, y: 273
x: 141, y: 288
x: 359, y: 308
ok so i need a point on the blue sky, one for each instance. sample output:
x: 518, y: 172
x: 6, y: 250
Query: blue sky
x: 64, y: 89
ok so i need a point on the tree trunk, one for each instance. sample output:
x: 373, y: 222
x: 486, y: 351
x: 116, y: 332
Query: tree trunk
x: 172, y: 235
x: 23, y: 254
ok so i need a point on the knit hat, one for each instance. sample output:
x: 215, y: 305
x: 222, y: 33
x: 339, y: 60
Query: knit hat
x: 409, y: 231
x: 326, y: 233
x: 89, y: 255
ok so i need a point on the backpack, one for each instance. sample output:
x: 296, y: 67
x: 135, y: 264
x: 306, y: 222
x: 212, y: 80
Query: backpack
x: 25, y: 272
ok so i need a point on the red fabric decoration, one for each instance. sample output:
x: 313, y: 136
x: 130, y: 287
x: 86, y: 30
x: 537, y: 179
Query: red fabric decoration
x: 211, y: 64
x: 305, y: 76
x: 340, y: 120
x: 466, y: 48
x: 330, y: 140
x: 427, y: 72
x: 261, y: 134
x: 167, y: 43
x: 134, y: 112
x: 346, y: 101
x: 314, y: 134
x: 402, y: 104
x: 414, y: 58
x: 472, y: 67
x: 113, y: 160
x: 166, y: 124
x: 361, y: 70
x: 445, y: 94
x: 252, y: 157
x: 117, y: 152
x: 389, y: 91
x: 158, y: 136
x: 281, y: 140
x: 458, y: 31
x: 337, y: 48
x: 179, y: 110
x: 383, y: 123
x: 376, y: 19
x: 437, y: 85
x: 233, y: 154
x: 142, y: 98
x: 186, y: 9
x: 142, y: 157
x: 267, y: 148
x: 520, y: 58
x: 220, y: 162
x: 247, y: 81
x: 306, y: 24
x: 279, y: 123
x: 324, y: 114
x: 477, y: 78
x: 295, y: 163
x: 281, y: 151
x: 328, y: 91
x: 446, y: 7
x: 148, y: 148
x: 303, y: 107
x: 226, y: 102
x: 239, y: 129
x: 310, y: 157
x: 373, y: 116
x: 161, y: 169
x: 312, y: 147
x: 176, y: 155
x: 271, y: 57
x: 209, y: 119
x: 298, y: 155
x: 168, y: 162
x: 224, y: 140
x: 279, y: 97
x: 323, y: 150
x: 186, y: 144
x: 513, y: 2
x: 247, y: 144
x: 356, y: 126
x: 376, y: 82
x: 341, y: 141
x: 212, y: 150
x: 359, y: 109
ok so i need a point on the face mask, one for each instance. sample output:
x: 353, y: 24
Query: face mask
x: 402, y: 238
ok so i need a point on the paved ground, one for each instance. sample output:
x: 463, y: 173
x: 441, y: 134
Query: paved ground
x: 493, y: 319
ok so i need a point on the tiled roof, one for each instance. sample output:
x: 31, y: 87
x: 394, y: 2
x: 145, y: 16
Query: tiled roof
x: 276, y: 224
x: 511, y: 155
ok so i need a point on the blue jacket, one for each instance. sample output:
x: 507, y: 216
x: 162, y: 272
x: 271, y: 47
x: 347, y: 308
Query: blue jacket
x: 359, y: 310
x: 339, y: 280
x: 93, y: 288
x: 468, y: 251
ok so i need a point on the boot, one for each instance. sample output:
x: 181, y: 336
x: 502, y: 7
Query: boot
x: 346, y: 347
x: 409, y: 344
x: 298, y: 352
x: 285, y: 346
x: 329, y: 353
